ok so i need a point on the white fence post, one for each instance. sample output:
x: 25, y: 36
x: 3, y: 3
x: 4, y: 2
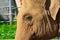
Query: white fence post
x: 10, y: 13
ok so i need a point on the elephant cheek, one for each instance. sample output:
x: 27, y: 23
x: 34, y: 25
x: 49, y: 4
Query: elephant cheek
x: 26, y: 27
x: 32, y: 25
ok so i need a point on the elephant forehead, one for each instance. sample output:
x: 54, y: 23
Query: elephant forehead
x: 37, y: 11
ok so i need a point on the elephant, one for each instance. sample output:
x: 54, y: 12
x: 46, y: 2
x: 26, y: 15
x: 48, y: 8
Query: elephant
x: 38, y: 20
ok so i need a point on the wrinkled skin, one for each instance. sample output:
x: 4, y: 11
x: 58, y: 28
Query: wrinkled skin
x: 37, y: 21
x: 55, y: 12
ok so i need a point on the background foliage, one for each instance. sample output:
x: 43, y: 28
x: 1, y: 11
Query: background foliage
x: 7, y: 31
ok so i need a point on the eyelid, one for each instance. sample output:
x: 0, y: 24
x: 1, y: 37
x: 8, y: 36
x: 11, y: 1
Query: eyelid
x: 27, y: 17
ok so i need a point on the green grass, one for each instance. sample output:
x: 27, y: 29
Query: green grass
x: 7, y: 31
x: 6, y: 39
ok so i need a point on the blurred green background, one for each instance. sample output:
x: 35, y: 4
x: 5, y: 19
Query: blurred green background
x: 7, y: 31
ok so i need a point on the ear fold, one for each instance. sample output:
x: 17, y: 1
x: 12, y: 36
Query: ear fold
x: 54, y: 7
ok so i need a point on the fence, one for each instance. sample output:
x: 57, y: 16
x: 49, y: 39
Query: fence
x: 8, y: 10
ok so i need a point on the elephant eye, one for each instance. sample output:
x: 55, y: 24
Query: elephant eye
x: 28, y: 17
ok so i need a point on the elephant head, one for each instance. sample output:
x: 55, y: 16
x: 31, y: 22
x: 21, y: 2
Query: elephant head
x: 37, y: 20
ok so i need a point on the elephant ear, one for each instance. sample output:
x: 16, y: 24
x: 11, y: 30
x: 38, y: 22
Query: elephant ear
x: 54, y: 7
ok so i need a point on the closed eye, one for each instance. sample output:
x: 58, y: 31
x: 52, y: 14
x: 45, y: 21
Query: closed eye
x: 28, y: 17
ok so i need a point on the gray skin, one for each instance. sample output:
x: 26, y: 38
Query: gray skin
x: 37, y: 20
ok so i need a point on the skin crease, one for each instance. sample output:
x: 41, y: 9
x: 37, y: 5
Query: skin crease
x: 32, y: 22
x: 54, y: 8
